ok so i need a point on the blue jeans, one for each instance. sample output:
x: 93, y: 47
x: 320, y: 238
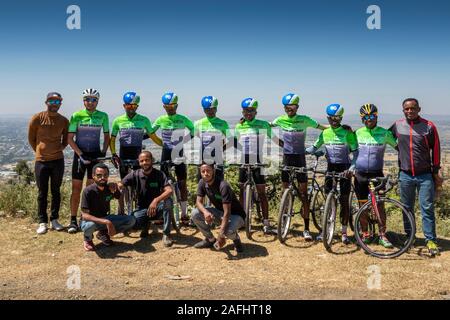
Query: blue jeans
x: 234, y: 223
x: 424, y: 184
x: 163, y: 211
x: 121, y: 224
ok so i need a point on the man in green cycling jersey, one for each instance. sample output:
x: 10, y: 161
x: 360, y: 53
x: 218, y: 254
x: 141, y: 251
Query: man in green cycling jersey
x: 293, y: 130
x: 213, y: 133
x: 173, y: 128
x: 372, y: 141
x: 131, y: 126
x: 339, y: 143
x: 86, y: 125
x: 250, y: 133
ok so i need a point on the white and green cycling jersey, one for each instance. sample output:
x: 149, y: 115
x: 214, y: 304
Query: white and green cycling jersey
x: 87, y: 127
x: 294, y: 132
x: 338, y: 143
x: 251, y: 135
x: 173, y: 129
x: 372, y: 145
x: 212, y: 132
x: 131, y: 130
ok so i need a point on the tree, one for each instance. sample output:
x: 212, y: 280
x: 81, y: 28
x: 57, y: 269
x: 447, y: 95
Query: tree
x: 24, y: 171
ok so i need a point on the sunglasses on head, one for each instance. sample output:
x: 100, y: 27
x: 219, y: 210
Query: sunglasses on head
x: 54, y: 102
x: 91, y: 99
x: 369, y: 117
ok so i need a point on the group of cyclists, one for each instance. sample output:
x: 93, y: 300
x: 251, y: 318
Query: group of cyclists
x: 358, y: 154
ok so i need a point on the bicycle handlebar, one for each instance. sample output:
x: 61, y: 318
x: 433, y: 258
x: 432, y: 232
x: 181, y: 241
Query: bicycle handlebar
x: 101, y: 159
x: 247, y: 165
x: 387, y: 181
x: 296, y: 169
x: 338, y: 175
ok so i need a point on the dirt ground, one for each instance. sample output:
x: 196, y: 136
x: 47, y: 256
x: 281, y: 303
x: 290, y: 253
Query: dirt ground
x: 36, y: 267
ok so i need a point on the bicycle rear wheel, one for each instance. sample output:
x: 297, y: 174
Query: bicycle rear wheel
x: 400, y: 229
x: 285, y: 215
x: 317, y: 208
x: 329, y: 221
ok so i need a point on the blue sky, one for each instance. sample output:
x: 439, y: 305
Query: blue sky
x: 321, y: 50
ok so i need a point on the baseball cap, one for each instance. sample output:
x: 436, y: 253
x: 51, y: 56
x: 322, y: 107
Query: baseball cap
x: 54, y: 95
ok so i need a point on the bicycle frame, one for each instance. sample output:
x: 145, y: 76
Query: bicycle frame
x: 130, y: 196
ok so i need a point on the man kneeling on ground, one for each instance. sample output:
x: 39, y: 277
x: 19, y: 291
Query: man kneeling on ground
x: 228, y: 212
x: 153, y: 193
x: 95, y: 207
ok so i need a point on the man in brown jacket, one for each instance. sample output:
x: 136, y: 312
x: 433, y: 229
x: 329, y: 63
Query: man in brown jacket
x: 47, y: 135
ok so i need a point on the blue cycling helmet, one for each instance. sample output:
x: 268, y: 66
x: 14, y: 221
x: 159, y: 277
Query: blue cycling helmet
x: 169, y: 98
x: 335, y: 109
x: 131, y: 98
x: 290, y: 98
x: 249, y: 103
x: 209, y: 102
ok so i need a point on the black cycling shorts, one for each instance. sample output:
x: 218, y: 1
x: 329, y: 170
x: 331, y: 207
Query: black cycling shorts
x: 294, y: 160
x: 256, y: 173
x: 124, y: 170
x: 362, y: 183
x: 180, y: 169
x: 79, y: 169
x: 344, y: 184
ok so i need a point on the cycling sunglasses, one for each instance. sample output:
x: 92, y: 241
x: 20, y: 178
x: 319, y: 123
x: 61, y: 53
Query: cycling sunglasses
x: 131, y: 105
x: 369, y: 117
x: 91, y: 99
x: 54, y: 102
x: 335, y: 118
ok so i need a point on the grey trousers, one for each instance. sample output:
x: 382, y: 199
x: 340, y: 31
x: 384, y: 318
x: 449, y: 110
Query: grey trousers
x: 235, y: 222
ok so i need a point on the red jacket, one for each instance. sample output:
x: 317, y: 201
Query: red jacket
x: 419, y: 149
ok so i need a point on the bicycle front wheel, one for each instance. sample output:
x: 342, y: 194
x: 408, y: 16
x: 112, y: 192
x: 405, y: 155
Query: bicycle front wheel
x: 353, y: 204
x: 317, y: 208
x: 285, y: 215
x: 129, y: 199
x: 398, y: 227
x: 329, y: 221
x: 176, y: 212
x: 248, y: 207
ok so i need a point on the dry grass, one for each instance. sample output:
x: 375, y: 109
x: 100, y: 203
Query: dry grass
x: 35, y: 267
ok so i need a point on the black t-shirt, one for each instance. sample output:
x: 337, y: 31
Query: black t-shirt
x: 220, y: 192
x: 147, y: 187
x: 97, y: 202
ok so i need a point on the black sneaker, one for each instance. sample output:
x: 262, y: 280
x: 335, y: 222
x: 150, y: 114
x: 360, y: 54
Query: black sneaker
x: 144, y: 233
x: 238, y: 245
x: 73, y: 227
x: 103, y: 236
x: 205, y: 243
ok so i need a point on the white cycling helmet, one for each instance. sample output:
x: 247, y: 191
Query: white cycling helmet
x: 91, y: 93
